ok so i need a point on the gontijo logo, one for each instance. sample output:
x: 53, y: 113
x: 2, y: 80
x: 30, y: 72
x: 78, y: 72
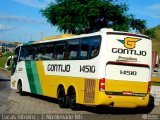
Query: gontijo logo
x: 129, y: 42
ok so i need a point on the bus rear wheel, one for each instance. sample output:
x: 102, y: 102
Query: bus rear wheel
x: 62, y: 101
x: 72, y: 99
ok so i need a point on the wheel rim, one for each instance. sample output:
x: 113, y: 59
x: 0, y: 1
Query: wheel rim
x: 73, y: 99
x: 61, y: 97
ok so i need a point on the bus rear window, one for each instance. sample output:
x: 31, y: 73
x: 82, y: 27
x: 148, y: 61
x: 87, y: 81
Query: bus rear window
x: 127, y: 34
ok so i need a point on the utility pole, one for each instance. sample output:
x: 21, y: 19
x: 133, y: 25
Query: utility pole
x: 31, y: 37
x: 41, y: 35
x: 19, y: 38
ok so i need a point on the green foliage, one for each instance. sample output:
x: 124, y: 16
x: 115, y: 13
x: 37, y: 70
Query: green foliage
x: 3, y: 61
x: 156, y: 41
x: 4, y: 58
x: 157, y: 33
x: 85, y: 16
x: 138, y: 24
x: 151, y: 33
x: 8, y: 54
x: 155, y: 83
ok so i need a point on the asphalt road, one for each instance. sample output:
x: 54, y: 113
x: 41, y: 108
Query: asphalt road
x: 1, y: 77
x: 4, y: 75
x: 12, y: 105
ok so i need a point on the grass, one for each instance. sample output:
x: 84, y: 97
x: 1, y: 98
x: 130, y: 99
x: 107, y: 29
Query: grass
x: 3, y: 59
x: 155, y: 83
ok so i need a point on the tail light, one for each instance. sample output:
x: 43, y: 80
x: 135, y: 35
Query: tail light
x: 149, y: 87
x: 102, y: 84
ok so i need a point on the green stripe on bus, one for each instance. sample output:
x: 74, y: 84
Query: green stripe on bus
x: 30, y: 77
x: 33, y: 77
x: 36, y: 77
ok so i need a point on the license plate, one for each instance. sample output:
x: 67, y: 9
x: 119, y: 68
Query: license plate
x: 127, y: 93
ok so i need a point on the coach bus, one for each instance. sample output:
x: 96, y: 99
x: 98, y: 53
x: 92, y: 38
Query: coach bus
x: 108, y: 67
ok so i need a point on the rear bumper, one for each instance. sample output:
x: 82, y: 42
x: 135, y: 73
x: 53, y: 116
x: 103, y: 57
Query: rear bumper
x: 122, y: 101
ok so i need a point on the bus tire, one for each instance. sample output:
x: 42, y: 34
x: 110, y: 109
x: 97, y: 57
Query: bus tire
x: 62, y: 99
x: 72, y: 99
x: 20, y: 88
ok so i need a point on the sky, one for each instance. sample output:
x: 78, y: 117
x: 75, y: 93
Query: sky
x: 21, y: 20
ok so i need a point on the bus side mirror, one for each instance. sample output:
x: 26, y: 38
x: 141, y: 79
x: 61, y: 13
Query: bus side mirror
x: 9, y: 62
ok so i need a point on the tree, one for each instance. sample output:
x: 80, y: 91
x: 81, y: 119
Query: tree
x: 85, y: 16
x: 150, y: 32
x: 138, y: 25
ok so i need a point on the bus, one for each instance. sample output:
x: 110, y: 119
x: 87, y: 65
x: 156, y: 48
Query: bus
x: 109, y: 68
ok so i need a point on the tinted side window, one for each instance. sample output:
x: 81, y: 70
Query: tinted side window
x: 24, y: 53
x: 49, y: 52
x: 31, y: 53
x: 95, y: 46
x: 60, y: 50
x: 73, y: 48
x: 39, y: 52
x: 76, y: 49
x: 27, y: 53
x: 44, y: 52
x: 85, y: 46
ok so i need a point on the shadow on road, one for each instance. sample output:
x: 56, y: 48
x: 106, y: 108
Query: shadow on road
x: 45, y: 98
x: 118, y: 111
x: 103, y: 109
x: 110, y: 110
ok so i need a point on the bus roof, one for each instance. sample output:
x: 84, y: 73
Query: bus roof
x: 57, y: 37
x: 108, y: 31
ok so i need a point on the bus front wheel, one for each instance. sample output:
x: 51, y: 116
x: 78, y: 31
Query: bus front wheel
x: 20, y: 88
